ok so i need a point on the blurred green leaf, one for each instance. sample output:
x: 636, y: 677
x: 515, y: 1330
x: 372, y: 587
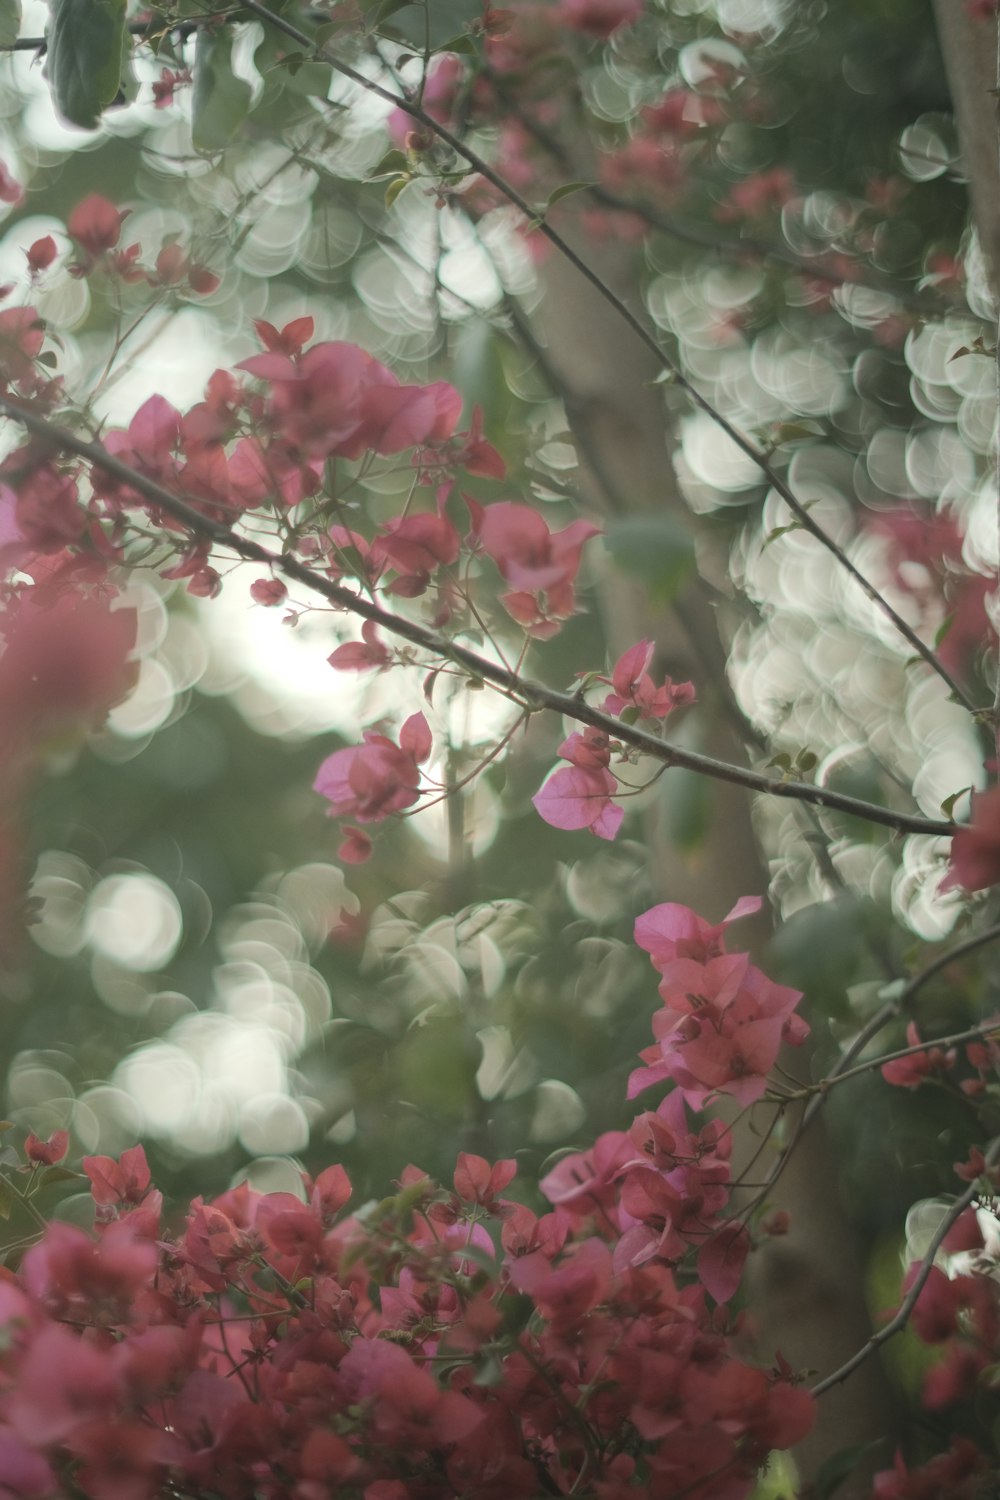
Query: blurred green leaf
x: 221, y: 100
x: 10, y: 22
x: 83, y: 61
x: 833, y: 1471
x: 657, y: 549
x: 394, y: 189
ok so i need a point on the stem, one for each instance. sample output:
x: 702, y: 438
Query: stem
x: 532, y: 695
x: 909, y: 1302
x: 677, y: 377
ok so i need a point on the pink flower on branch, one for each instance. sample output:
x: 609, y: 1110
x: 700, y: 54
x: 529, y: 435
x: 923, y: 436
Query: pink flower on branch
x: 371, y: 781
x: 580, y: 796
x: 542, y: 565
x: 635, y: 696
x: 975, y: 849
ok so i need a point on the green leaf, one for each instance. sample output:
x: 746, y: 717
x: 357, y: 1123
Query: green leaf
x: 656, y: 549
x: 806, y: 760
x: 461, y: 43
x: 392, y: 163
x: 10, y: 22
x: 948, y: 805
x: 83, y: 60
x: 833, y: 1471
x: 381, y: 10
x: 394, y: 189
x: 564, y: 191
x: 221, y: 100
x: 58, y: 1174
x: 943, y: 629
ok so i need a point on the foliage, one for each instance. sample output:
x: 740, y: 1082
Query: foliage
x: 374, y: 190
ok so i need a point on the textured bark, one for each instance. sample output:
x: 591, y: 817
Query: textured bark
x: 969, y: 49
x: 807, y: 1288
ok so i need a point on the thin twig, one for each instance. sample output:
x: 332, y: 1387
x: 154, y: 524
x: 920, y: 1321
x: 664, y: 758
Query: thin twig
x: 902, y: 1315
x: 635, y: 323
x: 532, y: 695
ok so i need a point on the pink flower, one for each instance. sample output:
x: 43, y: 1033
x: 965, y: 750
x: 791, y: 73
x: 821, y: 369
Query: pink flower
x: 975, y: 849
x: 581, y: 796
x: 910, y: 1072
x: 21, y: 335
x: 11, y: 190
x: 600, y: 18
x: 268, y: 592
x: 373, y: 780
x: 47, y: 1152
x: 542, y: 565
x: 96, y: 225
x: 368, y: 654
x: 672, y: 931
x: 634, y: 694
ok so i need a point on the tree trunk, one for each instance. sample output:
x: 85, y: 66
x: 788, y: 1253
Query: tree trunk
x: 809, y: 1285
x: 969, y: 49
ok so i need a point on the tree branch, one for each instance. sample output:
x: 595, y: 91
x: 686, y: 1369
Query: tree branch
x: 902, y: 1315
x: 533, y: 695
x: 635, y: 323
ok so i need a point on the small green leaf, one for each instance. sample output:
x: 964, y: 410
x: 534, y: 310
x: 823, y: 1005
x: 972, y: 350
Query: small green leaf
x: 564, y: 191
x: 806, y: 760
x: 381, y: 10
x: 10, y: 22
x: 220, y: 100
x: 6, y: 1199
x: 833, y: 1471
x: 462, y: 43
x: 943, y: 629
x: 782, y: 761
x: 58, y: 1174
x: 392, y: 163
x: 772, y: 536
x: 83, y: 57
x: 394, y: 189
x: 948, y: 805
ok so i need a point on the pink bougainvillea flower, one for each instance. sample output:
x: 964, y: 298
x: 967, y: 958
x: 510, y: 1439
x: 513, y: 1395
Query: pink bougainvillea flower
x: 478, y: 1182
x: 540, y: 564
x: 975, y: 849
x: 96, y: 225
x: 11, y: 190
x: 367, y: 655
x: 40, y: 254
x: 355, y: 847
x: 21, y: 336
x: 573, y: 798
x: 634, y: 693
x: 580, y: 796
x: 373, y: 780
x: 46, y: 1153
x: 268, y: 591
x: 910, y: 1072
x: 600, y: 18
x: 670, y: 931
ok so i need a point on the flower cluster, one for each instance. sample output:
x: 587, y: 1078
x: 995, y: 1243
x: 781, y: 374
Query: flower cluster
x: 723, y: 1022
x: 450, y: 1340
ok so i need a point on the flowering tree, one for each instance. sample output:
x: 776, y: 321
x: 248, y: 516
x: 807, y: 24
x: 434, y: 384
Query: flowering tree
x: 755, y: 408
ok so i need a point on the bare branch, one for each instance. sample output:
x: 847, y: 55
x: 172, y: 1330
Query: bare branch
x: 533, y: 695
x: 902, y: 1315
x: 635, y: 323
